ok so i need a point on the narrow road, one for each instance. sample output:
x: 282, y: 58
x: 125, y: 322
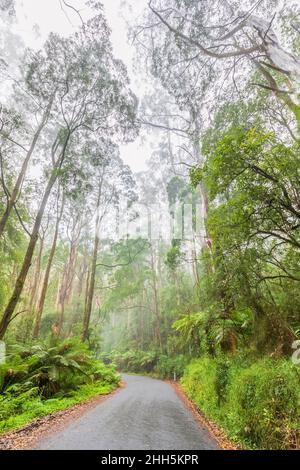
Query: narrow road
x: 147, y: 414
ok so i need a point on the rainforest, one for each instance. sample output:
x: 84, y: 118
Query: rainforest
x: 150, y: 221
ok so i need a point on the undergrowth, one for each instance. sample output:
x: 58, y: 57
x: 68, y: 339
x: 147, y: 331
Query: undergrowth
x: 38, y: 380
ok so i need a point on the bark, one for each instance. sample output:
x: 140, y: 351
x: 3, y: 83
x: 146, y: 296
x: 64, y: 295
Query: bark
x: 156, y: 300
x: 283, y: 60
x: 68, y: 276
x: 36, y: 278
x: 41, y: 303
x: 66, y: 285
x: 17, y: 187
x: 142, y: 322
x: 194, y: 261
x: 9, y: 310
x: 266, y: 44
x: 92, y: 272
x: 91, y: 289
x: 15, y: 297
x: 27, y: 324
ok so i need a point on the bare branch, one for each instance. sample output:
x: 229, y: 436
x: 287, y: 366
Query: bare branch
x: 206, y: 51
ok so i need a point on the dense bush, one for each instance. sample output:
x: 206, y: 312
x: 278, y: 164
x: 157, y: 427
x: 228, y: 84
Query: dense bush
x: 43, y: 378
x: 151, y: 362
x: 257, y: 404
x: 52, y: 369
x: 134, y: 360
x: 18, y: 410
x: 171, y: 367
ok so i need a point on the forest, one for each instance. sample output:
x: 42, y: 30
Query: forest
x: 187, y: 270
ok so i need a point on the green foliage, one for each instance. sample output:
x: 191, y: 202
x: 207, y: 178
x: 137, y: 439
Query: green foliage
x: 253, y: 222
x: 173, y: 255
x: 154, y: 306
x: 150, y: 362
x: 257, y: 404
x: 134, y: 360
x: 44, y: 378
x: 191, y: 328
x: 171, y: 367
x: 17, y: 411
x: 51, y: 369
x: 196, y: 176
x: 209, y: 330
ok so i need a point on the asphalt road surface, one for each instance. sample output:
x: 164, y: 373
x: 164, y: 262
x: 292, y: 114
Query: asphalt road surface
x: 147, y: 414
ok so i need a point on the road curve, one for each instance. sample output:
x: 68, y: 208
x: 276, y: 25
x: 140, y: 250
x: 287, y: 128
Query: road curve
x: 147, y: 414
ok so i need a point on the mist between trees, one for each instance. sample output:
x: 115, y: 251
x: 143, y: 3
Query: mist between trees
x: 191, y: 267
x: 182, y: 221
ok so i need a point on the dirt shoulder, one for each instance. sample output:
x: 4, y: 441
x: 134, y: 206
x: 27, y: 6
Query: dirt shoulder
x: 214, y: 430
x: 26, y: 438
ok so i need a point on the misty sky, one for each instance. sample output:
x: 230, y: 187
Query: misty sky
x: 37, y: 18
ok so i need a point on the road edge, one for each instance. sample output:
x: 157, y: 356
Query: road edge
x: 27, y: 437
x: 214, y: 430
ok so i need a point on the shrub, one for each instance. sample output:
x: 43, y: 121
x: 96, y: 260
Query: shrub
x: 257, y: 404
x: 222, y: 379
x: 167, y: 367
x: 42, y: 378
x: 134, y: 360
x: 266, y: 400
x: 199, y: 381
x: 147, y: 362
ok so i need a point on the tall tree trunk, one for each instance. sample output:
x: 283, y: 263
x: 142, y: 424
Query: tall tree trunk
x: 194, y: 261
x: 8, y: 312
x: 26, y: 324
x: 68, y: 277
x: 156, y: 300
x: 17, y: 187
x: 92, y: 276
x: 15, y: 297
x: 91, y: 289
x: 36, y: 278
x: 41, y: 303
x: 206, y: 242
x: 87, y: 284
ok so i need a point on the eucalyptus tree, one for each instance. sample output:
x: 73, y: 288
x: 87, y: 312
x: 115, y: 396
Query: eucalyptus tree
x: 241, y: 36
x: 186, y: 87
x: 60, y: 203
x: 91, y: 96
x: 12, y: 196
x: 202, y: 53
x: 111, y: 185
x: 9, y: 41
x: 75, y: 220
x: 129, y: 301
x: 254, y: 224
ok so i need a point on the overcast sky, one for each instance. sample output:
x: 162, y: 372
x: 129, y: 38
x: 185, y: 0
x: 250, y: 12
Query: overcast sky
x: 37, y: 18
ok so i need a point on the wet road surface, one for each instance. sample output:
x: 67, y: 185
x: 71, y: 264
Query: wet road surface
x: 147, y: 414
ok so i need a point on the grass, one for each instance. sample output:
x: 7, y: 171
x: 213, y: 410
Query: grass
x: 258, y: 404
x: 18, y: 412
x: 44, y: 377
